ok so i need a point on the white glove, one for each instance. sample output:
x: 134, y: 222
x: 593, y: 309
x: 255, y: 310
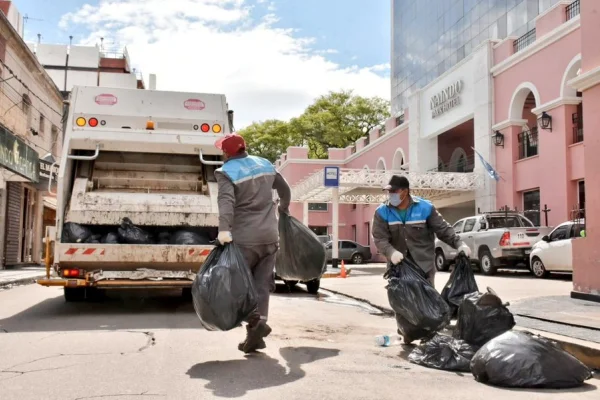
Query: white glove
x: 465, y: 249
x: 396, y: 258
x: 224, y: 237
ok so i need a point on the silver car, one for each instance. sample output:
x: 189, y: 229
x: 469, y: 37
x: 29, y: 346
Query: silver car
x: 350, y: 251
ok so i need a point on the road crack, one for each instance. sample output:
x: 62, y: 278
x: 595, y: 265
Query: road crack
x: 102, y: 396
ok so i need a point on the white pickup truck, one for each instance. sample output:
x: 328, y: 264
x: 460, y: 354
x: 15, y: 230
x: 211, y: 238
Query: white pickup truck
x: 497, y: 239
x: 139, y: 155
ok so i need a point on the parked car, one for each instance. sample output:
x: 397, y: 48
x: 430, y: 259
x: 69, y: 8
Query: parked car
x: 312, y: 287
x: 350, y: 251
x: 497, y: 239
x: 324, y: 239
x: 554, y: 253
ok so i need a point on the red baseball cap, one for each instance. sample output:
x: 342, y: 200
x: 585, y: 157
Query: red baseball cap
x: 231, y: 144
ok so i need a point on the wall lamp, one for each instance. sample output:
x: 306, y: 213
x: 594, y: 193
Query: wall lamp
x: 498, y: 139
x: 546, y: 121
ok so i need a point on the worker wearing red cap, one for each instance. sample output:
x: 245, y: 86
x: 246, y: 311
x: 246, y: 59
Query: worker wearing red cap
x: 247, y: 216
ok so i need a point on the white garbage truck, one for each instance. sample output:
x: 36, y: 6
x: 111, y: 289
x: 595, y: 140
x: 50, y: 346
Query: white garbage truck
x: 136, y: 162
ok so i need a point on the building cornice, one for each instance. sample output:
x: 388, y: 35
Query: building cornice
x: 540, y: 44
x: 509, y: 122
x: 560, y: 101
x: 586, y: 80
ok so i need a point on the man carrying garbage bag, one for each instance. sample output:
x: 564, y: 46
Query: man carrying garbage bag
x: 405, y: 227
x: 247, y: 216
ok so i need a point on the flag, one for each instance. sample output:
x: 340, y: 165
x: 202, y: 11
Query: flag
x: 490, y: 170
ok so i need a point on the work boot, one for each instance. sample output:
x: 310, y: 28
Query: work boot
x: 255, y: 337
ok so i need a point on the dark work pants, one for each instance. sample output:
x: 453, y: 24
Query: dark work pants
x: 261, y: 261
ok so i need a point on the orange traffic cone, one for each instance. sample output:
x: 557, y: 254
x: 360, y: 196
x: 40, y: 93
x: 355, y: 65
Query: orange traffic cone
x: 343, y: 273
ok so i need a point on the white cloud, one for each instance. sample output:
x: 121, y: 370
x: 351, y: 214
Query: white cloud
x: 219, y: 46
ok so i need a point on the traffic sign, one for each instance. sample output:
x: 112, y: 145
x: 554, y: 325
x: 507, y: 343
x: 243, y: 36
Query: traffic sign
x: 332, y: 176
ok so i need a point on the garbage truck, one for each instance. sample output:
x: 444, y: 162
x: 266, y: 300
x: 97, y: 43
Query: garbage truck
x: 141, y: 160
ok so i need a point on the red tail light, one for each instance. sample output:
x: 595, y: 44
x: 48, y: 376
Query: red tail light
x: 70, y: 272
x: 505, y: 239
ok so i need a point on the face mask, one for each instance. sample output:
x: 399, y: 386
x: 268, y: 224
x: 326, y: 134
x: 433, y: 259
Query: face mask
x: 395, y: 199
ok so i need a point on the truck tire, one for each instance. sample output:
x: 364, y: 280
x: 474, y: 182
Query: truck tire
x: 186, y: 293
x: 73, y: 295
x: 313, y: 286
x: 487, y: 264
x: 440, y: 261
x: 290, y: 284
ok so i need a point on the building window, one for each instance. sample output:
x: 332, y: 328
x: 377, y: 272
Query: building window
x: 317, y: 206
x: 581, y: 198
x: 42, y: 124
x: 528, y: 143
x: 26, y: 108
x: 531, y: 205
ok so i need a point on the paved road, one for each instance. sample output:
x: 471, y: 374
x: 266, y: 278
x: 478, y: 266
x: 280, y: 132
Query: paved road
x: 135, y: 346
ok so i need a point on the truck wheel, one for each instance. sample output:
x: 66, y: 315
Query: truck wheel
x: 538, y: 268
x: 486, y: 263
x: 186, y: 293
x: 74, y: 294
x: 357, y: 259
x: 313, y: 286
x: 440, y: 261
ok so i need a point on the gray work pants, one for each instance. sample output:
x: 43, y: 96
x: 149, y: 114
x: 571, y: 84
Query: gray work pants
x: 261, y: 261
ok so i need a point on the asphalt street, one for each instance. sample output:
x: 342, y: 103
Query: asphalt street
x: 138, y: 345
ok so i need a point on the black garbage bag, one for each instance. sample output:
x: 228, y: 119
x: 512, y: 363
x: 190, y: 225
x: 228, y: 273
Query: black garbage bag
x: 75, y: 233
x: 420, y: 309
x: 110, y: 238
x: 522, y: 360
x: 223, y: 291
x: 301, y: 256
x: 187, y: 237
x: 131, y: 234
x: 444, y: 352
x: 164, y: 238
x: 94, y: 239
x: 461, y: 282
x: 481, y: 317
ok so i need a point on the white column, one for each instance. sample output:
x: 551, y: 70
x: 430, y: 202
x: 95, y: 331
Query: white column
x: 305, y: 213
x: 485, y: 198
x: 335, y: 219
x: 422, y: 153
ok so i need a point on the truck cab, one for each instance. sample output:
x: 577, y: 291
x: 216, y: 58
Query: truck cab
x: 142, y: 156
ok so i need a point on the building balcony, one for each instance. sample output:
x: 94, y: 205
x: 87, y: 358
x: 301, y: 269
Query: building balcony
x: 524, y: 41
x: 573, y: 10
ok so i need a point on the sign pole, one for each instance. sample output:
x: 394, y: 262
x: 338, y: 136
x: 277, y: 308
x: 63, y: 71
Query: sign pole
x: 332, y: 180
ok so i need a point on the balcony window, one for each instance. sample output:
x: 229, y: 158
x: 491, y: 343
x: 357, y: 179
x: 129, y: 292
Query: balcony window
x: 524, y: 41
x: 528, y: 143
x: 577, y: 128
x: 573, y: 10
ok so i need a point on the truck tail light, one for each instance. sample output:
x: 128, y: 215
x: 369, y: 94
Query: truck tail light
x: 93, y: 122
x: 80, y: 121
x: 71, y: 272
x: 205, y: 128
x: 505, y: 239
x: 217, y: 128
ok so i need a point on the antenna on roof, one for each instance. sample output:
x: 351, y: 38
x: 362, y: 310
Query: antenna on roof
x: 27, y: 18
x: 101, y: 43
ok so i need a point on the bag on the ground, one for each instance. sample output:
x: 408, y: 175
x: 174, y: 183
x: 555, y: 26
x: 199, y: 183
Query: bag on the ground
x: 413, y: 298
x: 75, y: 233
x: 444, y: 352
x: 481, y: 317
x: 461, y: 282
x: 301, y: 256
x: 110, y: 238
x: 187, y: 237
x: 131, y: 234
x: 522, y: 360
x: 223, y: 291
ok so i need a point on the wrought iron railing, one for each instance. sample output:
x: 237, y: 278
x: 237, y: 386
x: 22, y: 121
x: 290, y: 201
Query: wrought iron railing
x: 577, y: 128
x: 463, y: 164
x: 524, y: 41
x: 573, y: 9
x: 528, y: 143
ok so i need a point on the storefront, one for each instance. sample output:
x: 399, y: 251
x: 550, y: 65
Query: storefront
x: 19, y: 166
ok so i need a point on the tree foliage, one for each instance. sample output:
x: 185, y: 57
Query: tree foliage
x: 337, y: 119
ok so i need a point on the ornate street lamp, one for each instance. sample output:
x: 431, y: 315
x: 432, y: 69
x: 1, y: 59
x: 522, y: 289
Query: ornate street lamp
x: 546, y: 121
x: 498, y: 139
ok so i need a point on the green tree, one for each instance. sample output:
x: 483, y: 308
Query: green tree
x: 269, y: 139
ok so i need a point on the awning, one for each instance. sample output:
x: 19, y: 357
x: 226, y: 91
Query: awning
x: 362, y: 186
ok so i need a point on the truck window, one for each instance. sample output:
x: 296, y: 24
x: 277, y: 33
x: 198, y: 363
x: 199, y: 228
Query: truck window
x: 496, y: 222
x: 469, y: 225
x: 526, y: 223
x: 458, y: 226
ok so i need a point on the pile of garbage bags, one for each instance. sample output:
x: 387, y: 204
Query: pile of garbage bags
x: 129, y: 233
x: 223, y: 291
x: 301, y: 257
x: 482, y: 341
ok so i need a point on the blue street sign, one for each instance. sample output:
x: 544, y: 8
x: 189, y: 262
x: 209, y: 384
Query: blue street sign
x: 332, y: 176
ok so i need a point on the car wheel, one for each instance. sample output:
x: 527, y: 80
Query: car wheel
x: 357, y: 258
x: 538, y: 269
x: 440, y: 261
x: 74, y: 294
x: 313, y: 286
x: 486, y: 263
x: 290, y: 284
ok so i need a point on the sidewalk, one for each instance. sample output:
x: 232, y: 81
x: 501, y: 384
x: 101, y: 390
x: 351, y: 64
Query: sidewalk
x: 20, y: 276
x: 541, y: 306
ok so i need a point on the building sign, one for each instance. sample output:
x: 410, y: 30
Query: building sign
x: 18, y: 157
x: 45, y: 171
x: 446, y: 100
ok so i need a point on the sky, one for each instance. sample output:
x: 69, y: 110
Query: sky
x: 271, y: 58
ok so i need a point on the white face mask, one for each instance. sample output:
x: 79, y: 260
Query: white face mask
x: 395, y: 199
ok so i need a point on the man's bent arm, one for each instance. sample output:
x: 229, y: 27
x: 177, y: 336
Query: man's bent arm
x: 443, y: 229
x: 382, y: 236
x: 284, y: 192
x: 225, y: 201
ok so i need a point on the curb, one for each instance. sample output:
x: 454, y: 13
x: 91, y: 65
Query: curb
x: 335, y: 274
x: 22, y: 281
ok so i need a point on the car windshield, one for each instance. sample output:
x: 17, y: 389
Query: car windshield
x: 511, y: 221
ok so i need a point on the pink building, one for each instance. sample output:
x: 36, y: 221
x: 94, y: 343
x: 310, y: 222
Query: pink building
x: 522, y: 103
